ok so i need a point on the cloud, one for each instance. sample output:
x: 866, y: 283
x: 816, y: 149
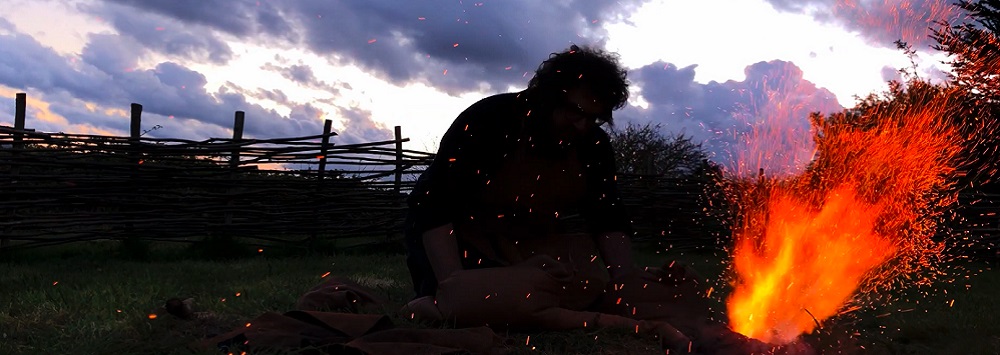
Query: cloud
x: 6, y: 25
x: 103, y: 78
x: 360, y: 128
x: 936, y: 75
x: 933, y: 75
x: 7, y: 111
x: 163, y: 34
x: 880, y: 22
x: 242, y: 18
x: 303, y: 75
x: 764, y: 116
x: 24, y: 63
x: 412, y: 41
x: 403, y: 42
x: 275, y: 95
x: 891, y: 74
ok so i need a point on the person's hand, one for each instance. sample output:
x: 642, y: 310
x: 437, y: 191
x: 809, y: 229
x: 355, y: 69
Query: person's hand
x: 423, y: 310
x: 448, y: 275
x: 723, y: 341
x: 672, y: 341
x: 797, y: 347
x: 622, y: 272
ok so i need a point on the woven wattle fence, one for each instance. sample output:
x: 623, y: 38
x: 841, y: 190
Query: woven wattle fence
x: 58, y: 188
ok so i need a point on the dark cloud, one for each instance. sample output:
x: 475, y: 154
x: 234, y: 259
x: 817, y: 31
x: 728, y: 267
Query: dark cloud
x: 360, y: 128
x: 7, y: 111
x: 168, y: 90
x: 358, y: 124
x: 275, y: 95
x: 301, y: 74
x: 237, y: 17
x: 881, y: 22
x: 773, y: 99
x: 413, y: 41
x: 75, y: 111
x: 24, y: 63
x: 111, y: 54
x: 6, y: 25
x: 164, y: 34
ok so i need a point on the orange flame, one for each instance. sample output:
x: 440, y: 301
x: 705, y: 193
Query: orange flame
x: 857, y: 218
x: 809, y: 266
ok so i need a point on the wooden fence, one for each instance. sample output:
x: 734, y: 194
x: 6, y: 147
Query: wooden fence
x: 63, y: 187
x: 60, y: 188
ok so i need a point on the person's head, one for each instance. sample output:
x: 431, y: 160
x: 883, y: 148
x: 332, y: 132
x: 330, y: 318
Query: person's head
x: 582, y: 85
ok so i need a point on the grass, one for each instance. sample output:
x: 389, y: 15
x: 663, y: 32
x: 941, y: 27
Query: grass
x: 91, y: 299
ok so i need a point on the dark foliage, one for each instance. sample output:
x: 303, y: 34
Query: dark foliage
x: 974, y: 51
x: 646, y: 150
x: 671, y: 188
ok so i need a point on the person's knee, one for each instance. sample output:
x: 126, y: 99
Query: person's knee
x: 497, y: 296
x: 423, y: 310
x: 652, y: 285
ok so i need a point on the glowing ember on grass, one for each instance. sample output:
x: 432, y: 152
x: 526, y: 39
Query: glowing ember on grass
x: 857, y: 219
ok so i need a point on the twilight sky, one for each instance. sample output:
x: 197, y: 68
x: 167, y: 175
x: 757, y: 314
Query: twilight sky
x: 712, y: 69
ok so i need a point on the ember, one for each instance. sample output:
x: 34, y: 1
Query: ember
x: 808, y: 247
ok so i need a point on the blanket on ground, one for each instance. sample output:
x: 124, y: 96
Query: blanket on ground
x: 520, y: 297
x: 325, y: 322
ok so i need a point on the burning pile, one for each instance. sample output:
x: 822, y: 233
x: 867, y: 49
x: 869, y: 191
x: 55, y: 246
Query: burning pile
x: 859, y: 217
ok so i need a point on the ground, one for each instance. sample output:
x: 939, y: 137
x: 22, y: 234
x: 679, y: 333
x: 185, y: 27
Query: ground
x: 89, y: 299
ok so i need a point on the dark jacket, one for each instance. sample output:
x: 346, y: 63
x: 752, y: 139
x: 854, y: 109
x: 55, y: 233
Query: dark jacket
x: 474, y: 148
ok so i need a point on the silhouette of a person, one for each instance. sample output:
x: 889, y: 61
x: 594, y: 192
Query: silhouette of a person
x: 512, y: 169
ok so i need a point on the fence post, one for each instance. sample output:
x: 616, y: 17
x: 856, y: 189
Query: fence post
x: 399, y: 160
x: 324, y: 149
x: 134, y: 159
x: 20, y: 110
x: 234, y: 162
x: 135, y: 125
x: 238, y: 123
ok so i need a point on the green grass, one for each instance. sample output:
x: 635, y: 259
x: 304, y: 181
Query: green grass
x: 88, y: 299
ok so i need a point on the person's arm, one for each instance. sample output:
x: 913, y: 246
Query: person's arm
x: 442, y: 251
x: 437, y: 203
x: 604, y: 212
x: 616, y: 251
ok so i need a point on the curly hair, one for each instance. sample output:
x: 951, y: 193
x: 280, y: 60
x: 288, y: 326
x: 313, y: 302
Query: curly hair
x: 579, y: 66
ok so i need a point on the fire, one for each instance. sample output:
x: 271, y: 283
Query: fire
x: 809, y: 265
x: 857, y: 219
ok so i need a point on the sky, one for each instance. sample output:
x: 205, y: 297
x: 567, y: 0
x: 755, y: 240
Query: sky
x: 710, y: 69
